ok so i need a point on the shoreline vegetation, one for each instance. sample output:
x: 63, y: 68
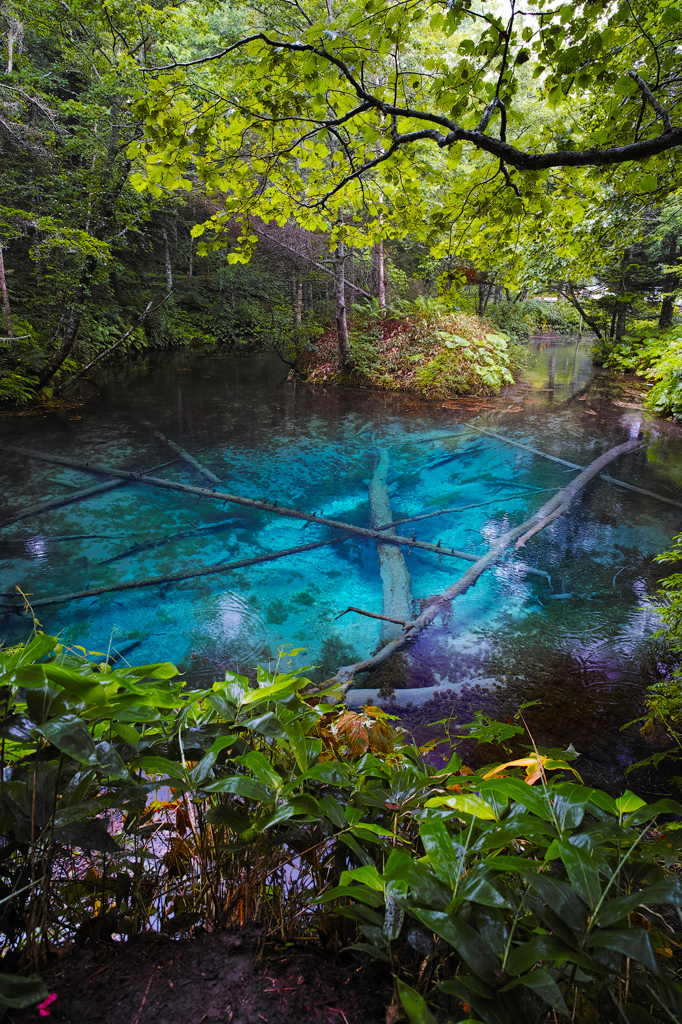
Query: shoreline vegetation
x: 133, y: 807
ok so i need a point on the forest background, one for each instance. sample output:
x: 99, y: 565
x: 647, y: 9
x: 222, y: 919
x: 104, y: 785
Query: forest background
x: 170, y: 177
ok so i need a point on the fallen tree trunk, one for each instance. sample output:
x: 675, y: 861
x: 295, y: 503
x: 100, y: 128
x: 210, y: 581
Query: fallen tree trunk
x: 178, y: 577
x: 395, y: 577
x: 185, y: 455
x: 46, y: 506
x: 112, y: 348
x: 261, y: 506
x: 462, y: 508
x: 572, y: 465
x: 555, y: 507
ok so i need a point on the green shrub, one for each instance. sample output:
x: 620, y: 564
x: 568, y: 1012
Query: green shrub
x: 657, y: 356
x: 512, y: 890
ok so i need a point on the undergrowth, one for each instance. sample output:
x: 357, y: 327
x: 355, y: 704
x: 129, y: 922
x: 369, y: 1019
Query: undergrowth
x: 419, y: 346
x: 131, y: 803
x: 656, y: 356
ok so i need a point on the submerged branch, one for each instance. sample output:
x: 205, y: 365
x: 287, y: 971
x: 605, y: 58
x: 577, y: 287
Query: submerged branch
x: 260, y: 506
x: 543, y: 517
x: 178, y: 577
x: 372, y: 615
x: 179, y: 450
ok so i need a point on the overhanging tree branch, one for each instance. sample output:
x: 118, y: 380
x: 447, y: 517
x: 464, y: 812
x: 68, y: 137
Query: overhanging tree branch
x: 638, y: 150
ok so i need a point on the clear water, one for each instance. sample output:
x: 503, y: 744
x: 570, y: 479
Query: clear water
x: 315, y: 447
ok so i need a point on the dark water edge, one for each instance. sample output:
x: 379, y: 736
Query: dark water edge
x: 576, y: 636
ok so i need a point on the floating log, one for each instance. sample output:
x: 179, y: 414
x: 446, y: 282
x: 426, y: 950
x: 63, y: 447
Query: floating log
x: 177, y: 577
x: 179, y: 450
x: 555, y: 507
x: 261, y: 506
x: 572, y: 465
x: 395, y: 577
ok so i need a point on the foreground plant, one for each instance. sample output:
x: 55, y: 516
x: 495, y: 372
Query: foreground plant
x: 129, y: 802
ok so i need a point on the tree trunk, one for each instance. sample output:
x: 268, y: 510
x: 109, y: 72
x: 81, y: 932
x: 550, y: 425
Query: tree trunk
x: 669, y: 285
x: 340, y: 298
x: 65, y: 348
x: 5, y: 297
x: 621, y: 315
x: 382, y: 275
x: 167, y: 258
x: 485, y: 289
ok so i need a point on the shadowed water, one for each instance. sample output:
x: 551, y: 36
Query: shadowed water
x: 266, y: 437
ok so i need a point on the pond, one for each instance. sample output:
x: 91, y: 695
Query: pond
x: 582, y: 615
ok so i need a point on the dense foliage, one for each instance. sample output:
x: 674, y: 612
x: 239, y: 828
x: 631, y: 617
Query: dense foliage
x: 465, y: 149
x: 657, y: 356
x: 130, y: 802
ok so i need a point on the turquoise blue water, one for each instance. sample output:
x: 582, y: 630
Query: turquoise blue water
x: 267, y: 437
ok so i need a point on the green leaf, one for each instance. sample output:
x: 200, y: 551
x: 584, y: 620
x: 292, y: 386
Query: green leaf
x: 70, y: 735
x: 470, y: 946
x: 278, y: 689
x: 562, y: 899
x: 478, y: 886
x: 21, y: 992
x: 468, y: 803
x: 629, y: 802
x: 394, y: 913
x: 261, y: 767
x: 582, y: 872
x: 543, y: 984
x: 632, y: 942
x: 153, y: 765
x: 296, y: 738
x: 414, y: 1005
x: 240, y: 785
x: 522, y: 958
x: 445, y: 855
x: 668, y: 890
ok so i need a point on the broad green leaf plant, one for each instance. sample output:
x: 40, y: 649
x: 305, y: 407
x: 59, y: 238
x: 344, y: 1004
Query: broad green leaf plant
x: 129, y: 801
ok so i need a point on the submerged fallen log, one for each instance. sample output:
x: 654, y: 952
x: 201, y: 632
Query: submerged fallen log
x: 45, y: 506
x: 170, y: 538
x: 177, y: 577
x: 395, y: 577
x: 550, y: 511
x: 183, y: 454
x: 462, y: 508
x: 572, y: 465
x: 260, y: 506
x: 87, y: 492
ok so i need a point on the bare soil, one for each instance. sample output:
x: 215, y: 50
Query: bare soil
x: 230, y: 978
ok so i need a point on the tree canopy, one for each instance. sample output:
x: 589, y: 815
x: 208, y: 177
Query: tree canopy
x: 447, y: 113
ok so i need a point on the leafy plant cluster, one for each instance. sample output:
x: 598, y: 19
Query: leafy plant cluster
x: 657, y: 356
x: 507, y: 894
x: 419, y: 345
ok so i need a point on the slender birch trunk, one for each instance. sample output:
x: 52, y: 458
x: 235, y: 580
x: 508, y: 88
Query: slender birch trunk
x: 5, y: 297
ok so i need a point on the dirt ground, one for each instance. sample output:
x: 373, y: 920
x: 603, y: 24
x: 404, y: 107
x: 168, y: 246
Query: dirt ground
x: 228, y: 978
